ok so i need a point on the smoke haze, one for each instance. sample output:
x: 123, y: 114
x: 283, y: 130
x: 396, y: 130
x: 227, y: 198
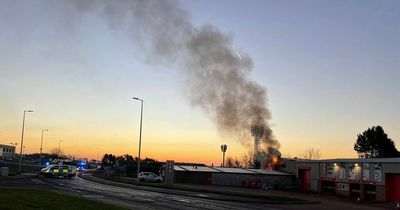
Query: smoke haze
x: 217, y: 77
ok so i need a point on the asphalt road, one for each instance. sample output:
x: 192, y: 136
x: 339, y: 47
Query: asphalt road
x: 139, y: 199
x: 144, y: 198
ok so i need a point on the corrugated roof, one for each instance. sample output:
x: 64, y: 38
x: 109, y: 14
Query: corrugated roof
x: 269, y: 172
x: 226, y: 170
x: 199, y: 169
x: 234, y: 170
x: 354, y: 160
x: 177, y: 168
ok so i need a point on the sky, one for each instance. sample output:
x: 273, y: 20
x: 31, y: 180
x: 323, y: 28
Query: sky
x: 331, y: 70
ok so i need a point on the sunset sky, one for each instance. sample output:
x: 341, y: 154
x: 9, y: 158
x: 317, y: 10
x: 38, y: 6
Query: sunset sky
x: 331, y: 70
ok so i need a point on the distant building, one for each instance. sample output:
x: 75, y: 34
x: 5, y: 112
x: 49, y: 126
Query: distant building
x: 367, y: 179
x: 237, y: 177
x: 7, y: 152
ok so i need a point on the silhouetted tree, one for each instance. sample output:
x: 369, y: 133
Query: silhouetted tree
x: 128, y: 157
x: 247, y: 160
x: 55, y: 152
x: 109, y: 160
x: 237, y: 163
x: 374, y: 143
x: 311, y: 154
x: 229, y: 162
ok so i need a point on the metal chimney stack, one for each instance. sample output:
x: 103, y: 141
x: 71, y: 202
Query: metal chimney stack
x: 257, y: 132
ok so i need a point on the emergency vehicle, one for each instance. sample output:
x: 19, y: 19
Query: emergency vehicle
x: 58, y: 170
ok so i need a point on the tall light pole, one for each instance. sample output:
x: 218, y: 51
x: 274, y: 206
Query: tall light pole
x: 140, y: 136
x: 22, y: 139
x: 59, y: 147
x: 97, y: 159
x: 41, y: 147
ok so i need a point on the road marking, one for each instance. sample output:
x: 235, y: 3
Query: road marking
x: 143, y: 199
x: 93, y: 196
x: 37, y: 181
x: 34, y: 180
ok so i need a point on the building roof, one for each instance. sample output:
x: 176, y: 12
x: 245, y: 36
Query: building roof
x: 354, y: 160
x: 234, y: 170
x: 269, y: 172
x: 210, y: 169
x: 4, y: 145
x: 197, y: 168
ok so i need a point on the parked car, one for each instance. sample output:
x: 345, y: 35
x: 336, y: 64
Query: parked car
x: 149, y: 177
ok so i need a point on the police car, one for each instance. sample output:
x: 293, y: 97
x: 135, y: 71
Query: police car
x: 56, y: 170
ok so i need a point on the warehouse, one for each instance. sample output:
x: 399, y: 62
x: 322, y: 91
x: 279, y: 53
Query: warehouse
x: 366, y: 179
x: 7, y: 152
x: 237, y: 177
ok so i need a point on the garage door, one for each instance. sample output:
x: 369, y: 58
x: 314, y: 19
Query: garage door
x: 304, y: 179
x: 392, y: 184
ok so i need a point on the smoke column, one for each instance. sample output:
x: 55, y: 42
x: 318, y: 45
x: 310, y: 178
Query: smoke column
x: 217, y: 77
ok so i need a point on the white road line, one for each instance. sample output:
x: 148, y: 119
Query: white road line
x: 34, y: 180
x: 40, y: 181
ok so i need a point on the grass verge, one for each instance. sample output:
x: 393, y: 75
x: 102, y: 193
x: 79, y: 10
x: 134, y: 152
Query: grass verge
x: 44, y: 199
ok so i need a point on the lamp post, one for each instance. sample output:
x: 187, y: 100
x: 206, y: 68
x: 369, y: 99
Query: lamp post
x: 41, y: 147
x: 22, y: 140
x: 59, y: 147
x: 97, y: 159
x: 140, y: 136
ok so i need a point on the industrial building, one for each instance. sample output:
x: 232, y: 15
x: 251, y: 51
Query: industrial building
x: 237, y: 177
x: 366, y: 179
x: 7, y: 152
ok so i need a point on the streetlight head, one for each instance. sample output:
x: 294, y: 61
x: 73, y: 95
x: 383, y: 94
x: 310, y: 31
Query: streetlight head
x: 45, y: 130
x: 28, y: 110
x: 135, y: 98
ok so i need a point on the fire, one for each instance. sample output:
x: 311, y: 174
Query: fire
x: 274, y: 160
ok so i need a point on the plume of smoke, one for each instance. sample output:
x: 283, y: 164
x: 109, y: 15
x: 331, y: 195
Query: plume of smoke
x: 218, y: 80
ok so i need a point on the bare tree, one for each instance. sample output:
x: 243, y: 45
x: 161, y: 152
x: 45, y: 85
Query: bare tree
x: 230, y: 162
x: 237, y: 163
x: 247, y: 160
x: 56, y: 152
x: 311, y: 154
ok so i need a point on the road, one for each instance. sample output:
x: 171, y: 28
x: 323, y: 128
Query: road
x: 146, y: 198
x: 140, y: 199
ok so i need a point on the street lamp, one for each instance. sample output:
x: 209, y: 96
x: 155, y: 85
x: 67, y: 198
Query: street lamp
x: 59, y: 147
x: 97, y: 159
x: 140, y: 136
x: 41, y: 147
x: 22, y: 139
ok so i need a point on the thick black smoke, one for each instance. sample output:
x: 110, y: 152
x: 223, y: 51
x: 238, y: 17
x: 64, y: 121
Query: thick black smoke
x: 217, y: 77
